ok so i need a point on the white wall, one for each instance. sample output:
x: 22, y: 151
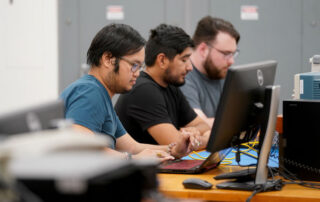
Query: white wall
x: 28, y: 53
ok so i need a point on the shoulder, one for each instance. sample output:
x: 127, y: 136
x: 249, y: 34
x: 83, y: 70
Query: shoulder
x: 145, y: 84
x: 192, y: 83
x: 193, y: 80
x: 85, y: 82
x: 84, y: 89
x: 194, y: 76
x: 81, y: 89
x: 144, y: 78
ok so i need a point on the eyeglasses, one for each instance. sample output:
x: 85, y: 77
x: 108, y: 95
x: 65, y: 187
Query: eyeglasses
x: 226, y: 54
x: 134, y: 66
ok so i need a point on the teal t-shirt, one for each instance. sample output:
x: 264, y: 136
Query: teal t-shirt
x: 88, y: 103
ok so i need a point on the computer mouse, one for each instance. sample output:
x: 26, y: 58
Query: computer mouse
x: 196, y: 183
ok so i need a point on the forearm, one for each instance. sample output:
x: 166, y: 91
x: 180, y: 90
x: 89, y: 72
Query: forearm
x: 202, y: 127
x: 115, y: 153
x: 142, y: 146
x: 164, y: 133
x: 208, y: 120
x: 172, y: 149
x: 204, y: 139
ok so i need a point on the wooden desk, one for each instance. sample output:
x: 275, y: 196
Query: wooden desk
x: 171, y: 186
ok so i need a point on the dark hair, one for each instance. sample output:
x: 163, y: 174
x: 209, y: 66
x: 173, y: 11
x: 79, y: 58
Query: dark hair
x: 167, y: 39
x: 209, y: 27
x: 116, y: 39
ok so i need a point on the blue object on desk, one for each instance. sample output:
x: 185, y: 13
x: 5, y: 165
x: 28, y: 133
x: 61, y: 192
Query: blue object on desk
x: 244, y: 159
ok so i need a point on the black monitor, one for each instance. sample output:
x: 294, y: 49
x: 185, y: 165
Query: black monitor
x: 40, y: 117
x: 248, y: 104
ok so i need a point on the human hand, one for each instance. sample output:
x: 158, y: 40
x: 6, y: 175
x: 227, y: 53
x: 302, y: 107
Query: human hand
x: 190, y: 131
x: 182, y: 147
x: 154, y: 154
x: 195, y: 137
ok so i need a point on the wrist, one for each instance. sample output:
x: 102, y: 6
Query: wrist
x: 172, y: 150
x: 128, y: 156
x: 204, y: 139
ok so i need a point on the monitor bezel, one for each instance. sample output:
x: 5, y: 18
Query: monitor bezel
x: 222, y: 136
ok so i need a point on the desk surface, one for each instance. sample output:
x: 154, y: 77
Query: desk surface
x: 171, y: 186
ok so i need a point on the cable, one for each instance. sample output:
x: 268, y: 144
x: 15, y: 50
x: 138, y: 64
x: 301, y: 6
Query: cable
x: 193, y: 157
x: 274, y: 185
x: 294, y: 180
x: 248, y: 154
x: 303, y: 166
x: 196, y: 153
x: 253, y: 194
x: 226, y: 162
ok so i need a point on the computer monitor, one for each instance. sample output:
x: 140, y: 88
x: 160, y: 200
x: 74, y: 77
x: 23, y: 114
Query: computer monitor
x: 43, y: 116
x: 248, y: 104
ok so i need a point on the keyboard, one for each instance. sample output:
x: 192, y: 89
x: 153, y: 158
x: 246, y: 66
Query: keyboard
x: 182, y: 164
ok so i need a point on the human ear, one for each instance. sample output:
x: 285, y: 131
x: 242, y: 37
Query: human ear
x: 107, y: 60
x: 162, y: 60
x: 203, y: 49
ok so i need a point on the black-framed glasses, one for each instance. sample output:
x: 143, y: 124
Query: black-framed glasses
x: 226, y: 54
x: 134, y: 66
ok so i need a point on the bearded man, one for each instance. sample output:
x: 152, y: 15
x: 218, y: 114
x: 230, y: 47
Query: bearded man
x: 215, y: 50
x: 155, y: 111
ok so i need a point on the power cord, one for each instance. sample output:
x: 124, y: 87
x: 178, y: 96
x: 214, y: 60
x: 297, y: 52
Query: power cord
x: 294, y: 180
x: 274, y: 185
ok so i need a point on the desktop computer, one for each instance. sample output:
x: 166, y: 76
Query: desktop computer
x: 299, y: 144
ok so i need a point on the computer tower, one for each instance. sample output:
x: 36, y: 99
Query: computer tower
x: 300, y: 141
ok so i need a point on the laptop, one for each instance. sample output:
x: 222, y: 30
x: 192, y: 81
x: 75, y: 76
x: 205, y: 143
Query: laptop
x: 193, y: 166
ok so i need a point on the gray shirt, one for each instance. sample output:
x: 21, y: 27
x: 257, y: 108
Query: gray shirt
x: 202, y: 92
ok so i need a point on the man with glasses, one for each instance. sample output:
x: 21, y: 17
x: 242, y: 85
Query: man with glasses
x: 155, y: 110
x: 116, y: 55
x: 215, y: 50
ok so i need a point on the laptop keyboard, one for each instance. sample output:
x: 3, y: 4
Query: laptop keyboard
x: 181, y: 164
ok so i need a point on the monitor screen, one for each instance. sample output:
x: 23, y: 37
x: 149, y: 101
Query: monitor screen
x: 248, y: 104
x: 238, y: 110
x: 32, y: 119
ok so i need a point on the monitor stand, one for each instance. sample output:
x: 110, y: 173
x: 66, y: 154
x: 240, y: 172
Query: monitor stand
x: 271, y: 103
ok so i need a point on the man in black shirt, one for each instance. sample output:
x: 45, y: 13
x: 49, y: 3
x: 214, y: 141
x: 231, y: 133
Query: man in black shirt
x: 155, y: 110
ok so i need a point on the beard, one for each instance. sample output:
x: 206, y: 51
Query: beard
x: 113, y: 84
x: 171, y: 79
x: 213, y: 72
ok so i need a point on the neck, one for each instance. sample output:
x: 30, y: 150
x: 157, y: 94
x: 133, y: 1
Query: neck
x: 96, y: 72
x: 156, y: 74
x: 198, y: 62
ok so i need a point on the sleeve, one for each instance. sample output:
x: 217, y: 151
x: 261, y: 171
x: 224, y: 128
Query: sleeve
x: 188, y: 114
x: 84, y: 107
x: 120, y: 129
x: 191, y: 93
x: 147, y: 106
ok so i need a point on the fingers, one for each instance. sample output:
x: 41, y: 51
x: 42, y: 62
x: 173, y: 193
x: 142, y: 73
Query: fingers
x: 168, y: 158
x: 184, y: 133
x: 163, y: 156
x: 195, y: 137
x: 195, y: 142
